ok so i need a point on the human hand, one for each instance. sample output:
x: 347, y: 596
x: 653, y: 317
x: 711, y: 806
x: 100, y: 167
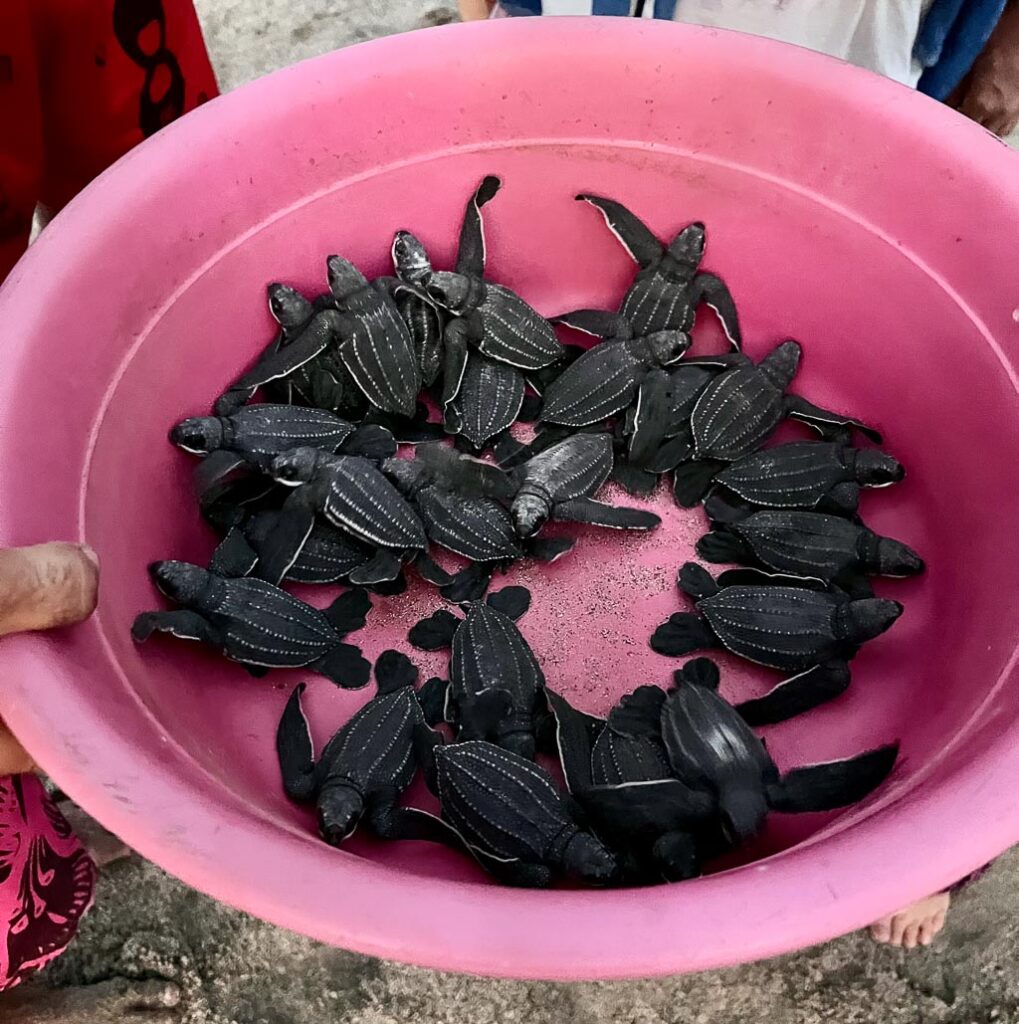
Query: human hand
x: 989, y: 94
x: 42, y: 587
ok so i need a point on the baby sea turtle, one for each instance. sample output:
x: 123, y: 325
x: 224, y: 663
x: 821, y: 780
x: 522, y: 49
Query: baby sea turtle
x: 368, y: 334
x: 258, y: 624
x: 512, y: 818
x: 496, y: 686
x: 487, y: 316
x: 783, y: 622
x: 425, y: 320
x: 605, y: 772
x: 826, y: 547
x: 555, y: 483
x: 669, y: 285
x: 367, y: 764
x: 354, y: 496
x: 605, y: 379
x: 479, y: 529
x: 740, y: 408
x: 822, y: 475
x: 712, y: 751
x: 488, y: 402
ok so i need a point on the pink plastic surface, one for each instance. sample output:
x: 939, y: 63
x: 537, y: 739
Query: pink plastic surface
x: 875, y: 226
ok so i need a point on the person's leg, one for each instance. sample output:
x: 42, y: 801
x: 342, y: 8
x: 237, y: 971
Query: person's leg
x: 21, y: 139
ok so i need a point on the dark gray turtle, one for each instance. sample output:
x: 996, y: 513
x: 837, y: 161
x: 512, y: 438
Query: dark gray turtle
x: 258, y: 624
x: 738, y: 410
x: 713, y: 752
x: 353, y: 495
x: 606, y: 378
x: 478, y: 529
x: 822, y: 475
x: 366, y: 332
x: 784, y: 622
x: 512, y: 818
x: 826, y: 547
x: 487, y: 316
x: 496, y: 686
x: 669, y: 285
x: 425, y: 320
x: 607, y: 773
x: 556, y: 483
x: 488, y: 402
x: 366, y: 765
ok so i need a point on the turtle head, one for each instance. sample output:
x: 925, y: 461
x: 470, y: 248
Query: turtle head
x: 743, y: 810
x: 344, y: 277
x: 409, y: 475
x: 289, y: 308
x: 521, y: 743
x: 529, y: 511
x: 199, y: 435
x: 340, y: 807
x: 870, y: 617
x: 296, y: 467
x: 182, y: 582
x: 410, y: 259
x: 687, y: 247
x: 588, y: 859
x: 877, y: 469
x: 454, y: 292
x: 667, y: 347
x: 675, y: 853
x: 897, y: 559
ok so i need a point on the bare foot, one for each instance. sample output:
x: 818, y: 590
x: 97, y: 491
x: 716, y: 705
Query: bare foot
x: 914, y: 925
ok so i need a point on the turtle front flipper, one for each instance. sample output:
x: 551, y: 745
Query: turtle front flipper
x: 683, y: 633
x: 469, y: 584
x: 470, y: 258
x: 824, y: 787
x: 349, y: 612
x: 797, y: 694
x: 548, y: 549
x: 575, y: 736
x: 599, y: 323
x: 830, y: 425
x: 370, y: 441
x: 234, y: 556
x: 385, y: 565
x: 652, y: 418
x: 295, y: 751
x: 634, y: 235
x: 455, y: 337
x: 647, y: 809
x: 598, y: 513
x: 513, y: 602
x: 388, y: 821
x: 183, y: 624
x: 714, y: 292
x: 285, y: 542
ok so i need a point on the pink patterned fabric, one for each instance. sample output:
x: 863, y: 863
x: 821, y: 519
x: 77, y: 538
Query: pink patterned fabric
x: 46, y: 879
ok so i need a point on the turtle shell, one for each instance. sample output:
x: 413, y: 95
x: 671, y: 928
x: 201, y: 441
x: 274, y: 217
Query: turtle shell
x: 806, y: 543
x: 514, y: 333
x: 374, y: 749
x: 501, y: 803
x: 783, y: 627
x: 735, y: 413
x: 617, y: 759
x: 327, y: 555
x: 795, y: 475
x: 687, y: 383
x: 489, y: 398
x: 424, y: 322
x: 657, y: 303
x: 476, y: 528
x: 573, y: 468
x: 260, y: 432
x: 596, y: 386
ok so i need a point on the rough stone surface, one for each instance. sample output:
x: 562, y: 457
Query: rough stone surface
x: 156, y: 952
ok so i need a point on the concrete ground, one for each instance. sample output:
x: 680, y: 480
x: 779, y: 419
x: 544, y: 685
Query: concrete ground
x: 154, y: 951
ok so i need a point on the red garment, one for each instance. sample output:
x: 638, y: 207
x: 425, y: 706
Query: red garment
x: 81, y: 83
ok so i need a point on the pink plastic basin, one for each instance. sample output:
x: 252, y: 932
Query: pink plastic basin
x: 872, y: 224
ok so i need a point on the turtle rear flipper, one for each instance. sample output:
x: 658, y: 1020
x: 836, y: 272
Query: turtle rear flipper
x: 430, y: 570
x: 481, y: 715
x: 698, y: 672
x: 384, y: 565
x: 598, y: 513
x: 234, y: 556
x: 370, y: 441
x: 635, y: 236
x: 797, y: 694
x: 670, y: 454
x: 683, y: 633
x: 393, y: 671
x: 824, y: 787
x: 830, y: 425
x: 718, y: 510
x: 294, y: 750
x: 432, y: 698
x: 638, y: 713
x: 692, y: 480
x: 470, y: 259
x: 696, y: 581
x: 346, y: 666
x: 181, y: 623
x: 434, y: 632
x: 513, y: 602
x: 633, y: 479
x: 714, y: 292
x: 349, y: 611
x: 469, y: 584
x: 282, y: 547
x: 723, y: 546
